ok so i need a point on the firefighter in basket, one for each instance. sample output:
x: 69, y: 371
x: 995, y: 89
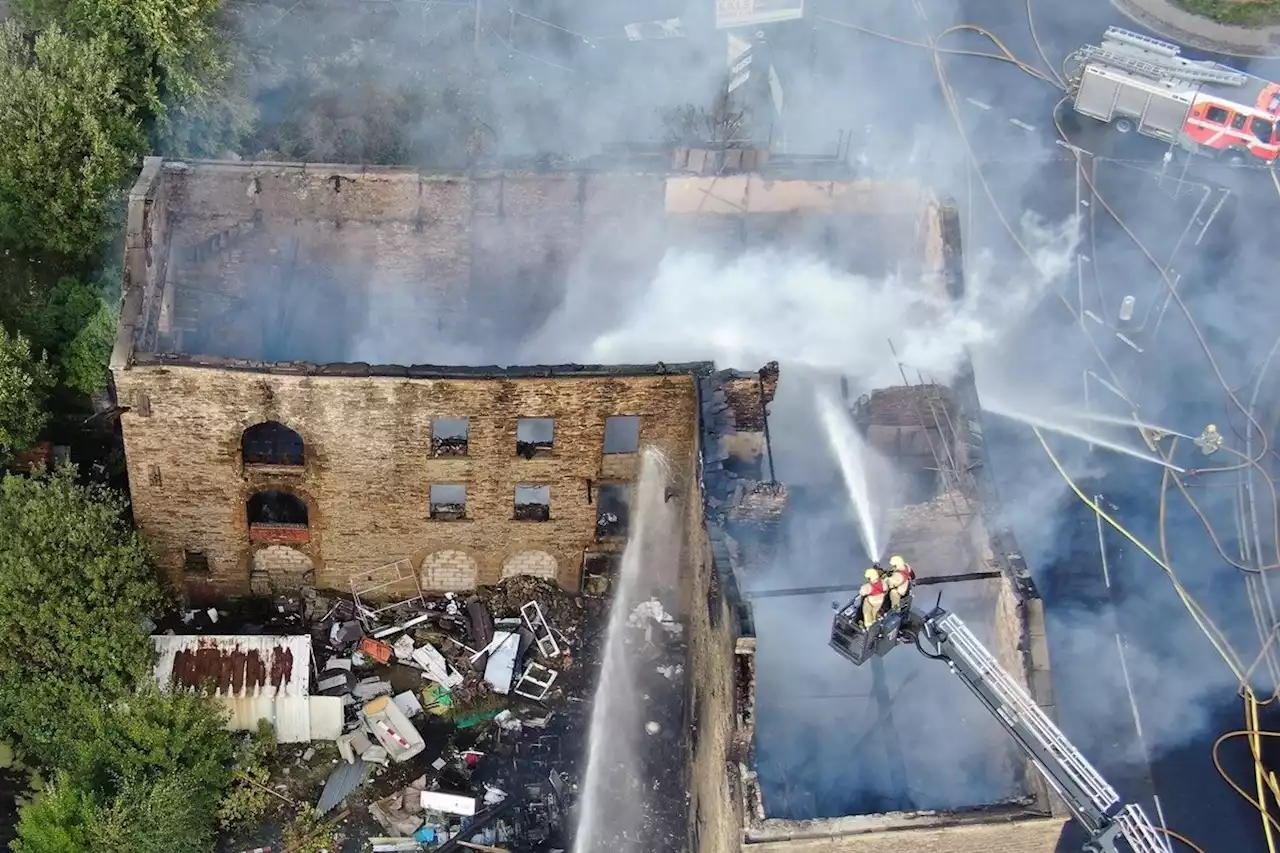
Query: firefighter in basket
x: 873, y: 593
x: 901, y: 579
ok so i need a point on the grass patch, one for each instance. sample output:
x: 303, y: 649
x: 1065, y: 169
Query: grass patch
x: 1247, y: 13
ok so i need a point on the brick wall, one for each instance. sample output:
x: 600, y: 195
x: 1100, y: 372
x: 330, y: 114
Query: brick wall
x: 369, y: 466
x: 714, y: 812
x: 1023, y: 836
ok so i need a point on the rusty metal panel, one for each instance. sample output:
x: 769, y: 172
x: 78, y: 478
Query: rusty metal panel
x: 237, y: 667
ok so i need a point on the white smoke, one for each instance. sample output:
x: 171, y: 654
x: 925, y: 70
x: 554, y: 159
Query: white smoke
x: 802, y: 312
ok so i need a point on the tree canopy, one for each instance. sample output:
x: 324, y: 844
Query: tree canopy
x: 75, y: 586
x: 68, y: 139
x: 24, y: 385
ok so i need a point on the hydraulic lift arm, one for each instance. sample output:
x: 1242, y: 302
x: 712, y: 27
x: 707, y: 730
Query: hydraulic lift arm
x: 1112, y: 827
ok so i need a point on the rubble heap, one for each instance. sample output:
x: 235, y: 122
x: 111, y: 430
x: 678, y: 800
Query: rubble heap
x: 465, y: 715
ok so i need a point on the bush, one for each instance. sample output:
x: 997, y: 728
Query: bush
x: 68, y: 141
x: 309, y: 833
x: 24, y: 387
x: 248, y: 798
x: 75, y: 586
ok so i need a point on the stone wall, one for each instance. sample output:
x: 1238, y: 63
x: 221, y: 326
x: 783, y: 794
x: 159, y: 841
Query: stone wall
x: 369, y: 466
x: 1034, y: 835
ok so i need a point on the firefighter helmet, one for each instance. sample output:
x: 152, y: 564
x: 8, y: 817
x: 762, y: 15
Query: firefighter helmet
x: 872, y: 575
x: 896, y: 562
x: 1211, y: 429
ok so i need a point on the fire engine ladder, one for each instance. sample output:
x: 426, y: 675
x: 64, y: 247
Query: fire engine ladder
x: 1155, y: 59
x: 1090, y: 798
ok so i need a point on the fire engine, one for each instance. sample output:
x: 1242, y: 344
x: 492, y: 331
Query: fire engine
x: 1134, y: 82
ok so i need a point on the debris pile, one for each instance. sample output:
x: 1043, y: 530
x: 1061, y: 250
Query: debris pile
x: 465, y: 715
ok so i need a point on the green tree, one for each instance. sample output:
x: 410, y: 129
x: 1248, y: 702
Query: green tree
x: 75, y: 584
x: 61, y: 819
x: 83, y: 363
x: 175, y: 63
x: 149, y: 736
x: 157, y: 816
x: 24, y: 387
x: 68, y: 139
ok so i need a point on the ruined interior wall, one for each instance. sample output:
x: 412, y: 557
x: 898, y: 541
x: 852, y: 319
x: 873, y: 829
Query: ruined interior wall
x: 714, y: 814
x: 441, y: 250
x: 1034, y: 835
x: 369, y: 463
x: 146, y: 261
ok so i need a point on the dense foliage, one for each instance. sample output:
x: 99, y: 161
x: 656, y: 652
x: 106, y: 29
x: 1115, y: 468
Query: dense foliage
x: 24, y: 384
x: 69, y: 138
x: 136, y: 769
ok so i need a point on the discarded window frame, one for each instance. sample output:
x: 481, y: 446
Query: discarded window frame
x: 370, y: 589
x: 271, y: 443
x: 533, y: 503
x: 613, y: 510
x: 535, y: 436
x: 448, y: 502
x: 621, y: 434
x: 535, y: 683
x: 449, y: 436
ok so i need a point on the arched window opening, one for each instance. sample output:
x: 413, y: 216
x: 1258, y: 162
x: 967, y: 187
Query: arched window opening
x: 271, y: 443
x: 277, y: 508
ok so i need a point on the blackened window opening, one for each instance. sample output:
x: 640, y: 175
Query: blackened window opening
x: 277, y: 508
x: 613, y: 510
x: 448, y: 502
x: 622, y: 434
x: 195, y: 562
x: 533, y: 503
x: 534, y: 436
x: 271, y: 443
x: 449, y: 436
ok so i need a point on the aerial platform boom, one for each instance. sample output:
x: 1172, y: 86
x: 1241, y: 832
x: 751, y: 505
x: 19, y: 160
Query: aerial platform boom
x: 939, y: 635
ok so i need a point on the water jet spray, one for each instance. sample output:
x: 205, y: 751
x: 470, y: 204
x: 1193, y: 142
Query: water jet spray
x: 1075, y: 432
x: 851, y: 453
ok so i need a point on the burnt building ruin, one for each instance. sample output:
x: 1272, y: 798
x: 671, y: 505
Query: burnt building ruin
x: 287, y: 421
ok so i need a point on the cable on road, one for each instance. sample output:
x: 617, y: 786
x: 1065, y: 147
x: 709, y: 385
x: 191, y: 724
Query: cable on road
x: 1180, y: 838
x: 1253, y: 734
x: 1203, y: 622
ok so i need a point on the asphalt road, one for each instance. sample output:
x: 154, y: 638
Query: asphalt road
x: 1138, y: 686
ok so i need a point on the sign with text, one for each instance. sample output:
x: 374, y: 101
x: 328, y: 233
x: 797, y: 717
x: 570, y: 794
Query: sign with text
x: 750, y: 13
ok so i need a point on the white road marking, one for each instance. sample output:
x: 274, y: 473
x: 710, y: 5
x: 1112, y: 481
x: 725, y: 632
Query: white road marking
x: 979, y: 104
x: 1022, y: 124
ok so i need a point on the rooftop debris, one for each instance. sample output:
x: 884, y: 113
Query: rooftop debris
x: 463, y: 717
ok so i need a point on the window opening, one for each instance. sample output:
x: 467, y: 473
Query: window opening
x: 1217, y: 115
x: 613, y: 509
x: 622, y: 434
x: 448, y: 502
x: 271, y: 443
x: 195, y: 562
x: 277, y: 508
x: 599, y: 572
x: 1238, y: 121
x: 534, y: 436
x: 449, y: 436
x: 533, y: 503
x: 1263, y: 129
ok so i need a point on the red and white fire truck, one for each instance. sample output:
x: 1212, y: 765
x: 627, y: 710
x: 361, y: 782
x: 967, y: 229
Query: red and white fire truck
x: 1139, y: 83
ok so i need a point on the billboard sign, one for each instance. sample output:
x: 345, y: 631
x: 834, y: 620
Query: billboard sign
x: 750, y: 13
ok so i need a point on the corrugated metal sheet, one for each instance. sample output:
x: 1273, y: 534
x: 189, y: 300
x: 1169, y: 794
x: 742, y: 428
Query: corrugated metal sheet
x: 254, y: 678
x: 235, y: 666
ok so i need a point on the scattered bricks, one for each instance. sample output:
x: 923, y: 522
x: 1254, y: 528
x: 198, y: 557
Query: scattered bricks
x: 537, y: 563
